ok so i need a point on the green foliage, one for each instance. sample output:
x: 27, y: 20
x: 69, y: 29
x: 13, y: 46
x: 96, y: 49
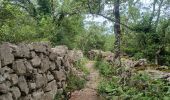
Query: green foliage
x: 80, y: 65
x: 141, y: 87
x: 95, y: 38
x: 104, y: 68
x: 23, y: 28
x: 75, y: 83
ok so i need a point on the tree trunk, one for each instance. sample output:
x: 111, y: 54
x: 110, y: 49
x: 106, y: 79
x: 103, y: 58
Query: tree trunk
x: 117, y: 33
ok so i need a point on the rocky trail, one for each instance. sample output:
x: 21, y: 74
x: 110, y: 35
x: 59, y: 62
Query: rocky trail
x: 90, y: 90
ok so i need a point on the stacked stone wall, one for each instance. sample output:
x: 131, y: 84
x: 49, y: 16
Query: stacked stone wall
x: 32, y: 71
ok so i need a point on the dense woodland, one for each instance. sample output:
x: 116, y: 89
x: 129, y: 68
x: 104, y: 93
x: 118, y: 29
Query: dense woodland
x: 139, y: 30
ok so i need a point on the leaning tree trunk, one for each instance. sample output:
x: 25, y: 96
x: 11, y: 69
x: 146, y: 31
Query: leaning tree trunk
x: 117, y: 32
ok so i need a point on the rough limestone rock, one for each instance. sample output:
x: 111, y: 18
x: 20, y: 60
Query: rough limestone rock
x: 50, y: 77
x: 29, y: 68
x: 45, y: 64
x: 4, y: 88
x: 38, y: 95
x: 60, y: 50
x: 15, y: 93
x: 22, y: 84
x: 21, y: 51
x: 32, y: 86
x: 19, y: 66
x: 34, y: 71
x: 59, y: 75
x: 28, y: 97
x: 36, y: 61
x: 41, y: 47
x: 7, y: 96
x: 108, y: 56
x: 14, y: 78
x: 50, y: 86
x: 41, y: 80
x: 0, y: 63
x: 75, y: 55
x: 6, y: 55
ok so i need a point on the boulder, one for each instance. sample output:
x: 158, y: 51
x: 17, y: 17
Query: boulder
x: 22, y: 84
x: 6, y: 55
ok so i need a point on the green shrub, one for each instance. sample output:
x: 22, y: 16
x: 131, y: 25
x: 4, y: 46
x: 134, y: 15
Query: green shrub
x: 104, y: 67
x: 75, y: 83
x: 141, y: 87
x: 80, y: 65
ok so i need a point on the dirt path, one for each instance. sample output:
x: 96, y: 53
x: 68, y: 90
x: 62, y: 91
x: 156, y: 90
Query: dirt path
x: 90, y: 90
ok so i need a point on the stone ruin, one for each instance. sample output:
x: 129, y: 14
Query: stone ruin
x: 33, y: 71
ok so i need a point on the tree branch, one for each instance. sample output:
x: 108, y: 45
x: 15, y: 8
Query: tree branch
x: 106, y: 17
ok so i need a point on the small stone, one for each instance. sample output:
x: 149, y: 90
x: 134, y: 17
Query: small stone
x: 19, y: 66
x: 41, y: 80
x: 2, y: 79
x: 7, y: 96
x: 40, y: 47
x: 32, y: 86
x: 4, y: 88
x: 8, y: 83
x: 52, y: 66
x: 36, y: 61
x: 14, y: 79
x: 15, y: 93
x: 32, y: 54
x: 50, y: 77
x: 6, y: 55
x: 29, y: 68
x: 23, y: 85
x: 50, y: 95
x: 21, y: 51
x: 45, y: 64
x: 0, y: 63
x: 28, y: 97
x: 59, y: 75
x: 38, y: 95
x: 50, y: 86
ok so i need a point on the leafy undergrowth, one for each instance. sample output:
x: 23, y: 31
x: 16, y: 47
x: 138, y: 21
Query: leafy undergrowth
x: 80, y: 65
x: 73, y: 83
x: 105, y: 69
x: 137, y: 86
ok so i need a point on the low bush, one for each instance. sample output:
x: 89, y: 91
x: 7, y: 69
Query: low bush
x: 80, y: 65
x: 140, y: 86
x: 104, y: 67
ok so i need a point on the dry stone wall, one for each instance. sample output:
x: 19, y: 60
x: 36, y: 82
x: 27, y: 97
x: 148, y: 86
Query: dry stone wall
x: 32, y: 71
